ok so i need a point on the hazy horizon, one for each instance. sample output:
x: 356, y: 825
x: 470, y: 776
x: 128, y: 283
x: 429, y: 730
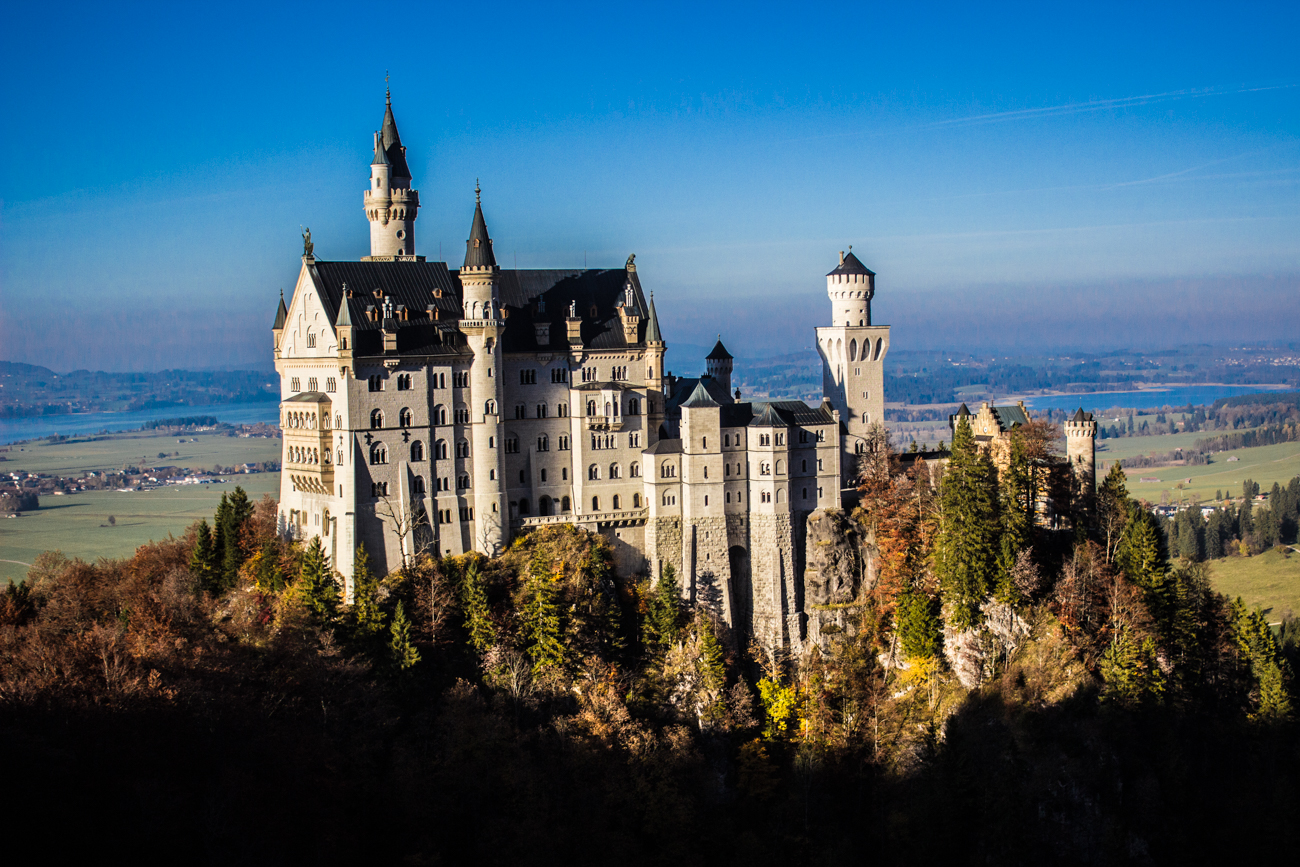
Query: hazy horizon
x: 1022, y: 181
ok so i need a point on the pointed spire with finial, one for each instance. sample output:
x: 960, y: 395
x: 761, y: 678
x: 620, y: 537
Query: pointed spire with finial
x: 478, y: 249
x: 391, y: 141
x: 652, y: 334
x: 344, y: 319
x: 281, y: 315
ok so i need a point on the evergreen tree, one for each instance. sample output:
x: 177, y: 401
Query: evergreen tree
x: 1245, y: 520
x: 367, y: 616
x: 917, y: 620
x: 267, y: 573
x: 1112, y: 508
x: 1017, y: 521
x: 1214, y: 536
x: 1143, y: 559
x: 203, y: 558
x: 665, y: 613
x: 1190, y: 530
x: 220, y: 534
x: 401, y: 651
x: 316, y: 583
x: 967, y: 547
x: 543, y: 627
x: 478, y: 617
x: 1263, y: 658
x: 713, y: 668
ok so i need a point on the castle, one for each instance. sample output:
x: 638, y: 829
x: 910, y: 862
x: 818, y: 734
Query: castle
x: 426, y: 409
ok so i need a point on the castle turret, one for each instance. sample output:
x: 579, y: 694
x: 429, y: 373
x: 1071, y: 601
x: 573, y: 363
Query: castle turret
x: 390, y: 203
x: 1081, y: 452
x: 483, y: 326
x: 277, y: 330
x: 718, y: 365
x: 853, y: 352
x: 656, y: 393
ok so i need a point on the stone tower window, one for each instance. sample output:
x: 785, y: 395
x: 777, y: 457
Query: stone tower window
x: 376, y: 419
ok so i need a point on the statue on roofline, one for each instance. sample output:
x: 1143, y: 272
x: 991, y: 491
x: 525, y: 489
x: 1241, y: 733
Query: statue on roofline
x: 307, y: 246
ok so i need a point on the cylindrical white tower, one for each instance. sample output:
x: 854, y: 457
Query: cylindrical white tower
x: 390, y: 203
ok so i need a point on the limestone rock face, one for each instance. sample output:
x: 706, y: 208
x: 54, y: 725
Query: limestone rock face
x: 833, y: 570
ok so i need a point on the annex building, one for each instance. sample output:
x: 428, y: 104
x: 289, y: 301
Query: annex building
x: 440, y: 410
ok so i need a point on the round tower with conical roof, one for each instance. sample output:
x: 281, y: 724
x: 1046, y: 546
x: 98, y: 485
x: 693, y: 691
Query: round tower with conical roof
x: 390, y: 203
x: 717, y: 364
x: 853, y: 351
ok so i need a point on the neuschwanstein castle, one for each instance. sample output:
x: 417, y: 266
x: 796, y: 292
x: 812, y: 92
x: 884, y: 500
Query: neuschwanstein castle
x: 446, y: 410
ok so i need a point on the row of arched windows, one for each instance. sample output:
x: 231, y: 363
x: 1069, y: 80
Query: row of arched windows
x: 300, y: 455
x: 304, y: 420
x: 612, y: 407
x: 615, y: 471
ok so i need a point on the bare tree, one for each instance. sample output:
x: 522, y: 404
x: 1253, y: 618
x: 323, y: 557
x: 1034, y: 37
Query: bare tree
x: 409, y: 525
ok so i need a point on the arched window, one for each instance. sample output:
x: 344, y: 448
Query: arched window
x: 440, y: 450
x: 462, y: 414
x: 378, y: 453
x: 636, y: 501
x: 591, y: 407
x: 595, y: 504
x: 607, y: 410
x: 490, y: 408
x: 417, y: 486
x: 668, y: 470
x: 439, y: 415
x: 780, y: 467
x: 853, y: 350
x: 404, y: 417
x: 376, y: 419
x: 523, y: 505
x: 417, y: 451
x: 780, y: 495
x: 634, y: 407
x: 340, y: 457
x: 544, y: 506
x: 462, y: 449
x: 593, y: 472
x: 634, y: 470
x: 462, y: 481
x: 616, y: 506
x: 564, y: 504
x: 543, y: 443
x: 615, y: 472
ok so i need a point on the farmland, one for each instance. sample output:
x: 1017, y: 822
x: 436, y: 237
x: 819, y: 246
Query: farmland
x: 1270, y: 580
x: 78, y: 523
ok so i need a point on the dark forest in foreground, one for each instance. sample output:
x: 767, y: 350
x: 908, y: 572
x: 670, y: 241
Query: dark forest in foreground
x: 1004, y: 695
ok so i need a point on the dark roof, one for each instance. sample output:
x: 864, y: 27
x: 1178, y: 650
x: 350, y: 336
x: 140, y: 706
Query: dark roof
x: 380, y: 158
x: 309, y: 397
x: 699, y: 398
x: 478, y: 249
x: 767, y: 417
x: 1080, y: 415
x: 652, y: 334
x: 282, y: 314
x: 1010, y: 416
x: 963, y: 410
x: 665, y: 447
x: 392, y: 141
x: 536, y: 297
x: 410, y: 285
x: 532, y: 296
x: 719, y: 352
x: 852, y: 265
x: 776, y: 413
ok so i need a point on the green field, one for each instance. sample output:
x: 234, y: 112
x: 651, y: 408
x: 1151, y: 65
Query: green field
x: 1265, y: 464
x: 76, y: 457
x: 1128, y: 447
x: 1270, y: 580
x: 77, y: 524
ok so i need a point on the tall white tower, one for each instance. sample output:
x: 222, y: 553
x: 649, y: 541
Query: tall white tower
x: 483, y: 326
x: 390, y: 203
x: 853, y: 353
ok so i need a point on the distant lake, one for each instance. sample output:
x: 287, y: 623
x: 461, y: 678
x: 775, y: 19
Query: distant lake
x: 74, y: 424
x: 1147, y: 398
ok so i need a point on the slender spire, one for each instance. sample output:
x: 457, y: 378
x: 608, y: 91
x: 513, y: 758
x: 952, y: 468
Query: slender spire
x: 391, y: 140
x: 344, y: 319
x: 478, y: 249
x: 652, y: 334
x: 381, y: 158
x: 281, y: 315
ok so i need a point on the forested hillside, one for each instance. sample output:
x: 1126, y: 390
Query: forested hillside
x: 1000, y: 694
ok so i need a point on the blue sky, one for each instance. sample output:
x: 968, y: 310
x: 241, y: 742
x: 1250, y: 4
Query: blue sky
x: 1018, y: 176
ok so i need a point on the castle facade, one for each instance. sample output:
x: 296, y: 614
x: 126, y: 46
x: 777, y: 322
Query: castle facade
x: 427, y: 409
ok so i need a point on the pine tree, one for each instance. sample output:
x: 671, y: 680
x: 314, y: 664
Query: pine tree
x: 917, y: 620
x: 401, y: 651
x: 543, y: 626
x: 220, y: 533
x: 713, y: 668
x: 1112, y: 508
x: 267, y: 573
x: 665, y: 614
x: 1017, y: 521
x: 234, y: 510
x: 1143, y: 560
x: 316, y: 583
x: 1263, y: 658
x: 367, y: 616
x: 967, y: 547
x: 202, y: 559
x: 478, y: 617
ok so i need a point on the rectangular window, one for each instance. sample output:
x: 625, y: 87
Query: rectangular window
x: 542, y: 411
x: 562, y: 410
x: 559, y: 374
x: 460, y: 379
x: 528, y: 377
x: 512, y: 445
x: 521, y: 411
x: 563, y: 442
x: 634, y: 440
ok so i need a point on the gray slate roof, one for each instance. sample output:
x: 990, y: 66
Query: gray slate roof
x: 478, y: 249
x: 699, y: 398
x: 719, y: 352
x: 393, y: 143
x: 852, y: 265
